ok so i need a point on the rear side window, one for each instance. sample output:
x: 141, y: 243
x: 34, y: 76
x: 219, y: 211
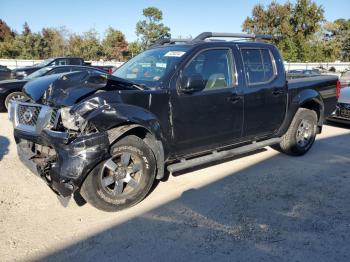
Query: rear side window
x: 259, y: 65
x: 59, y: 62
x: 74, y: 61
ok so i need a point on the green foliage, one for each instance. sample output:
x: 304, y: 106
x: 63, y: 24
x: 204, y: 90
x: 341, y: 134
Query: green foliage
x: 300, y: 30
x: 341, y: 35
x: 114, y: 45
x: 75, y: 45
x: 91, y: 45
x: 6, y: 34
x: 134, y: 49
x: 53, y: 42
x: 152, y: 28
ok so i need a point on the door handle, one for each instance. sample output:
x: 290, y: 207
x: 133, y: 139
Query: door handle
x: 277, y: 92
x: 234, y: 98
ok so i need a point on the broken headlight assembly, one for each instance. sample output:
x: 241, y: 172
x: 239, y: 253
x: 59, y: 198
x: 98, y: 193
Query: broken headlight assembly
x: 72, y: 121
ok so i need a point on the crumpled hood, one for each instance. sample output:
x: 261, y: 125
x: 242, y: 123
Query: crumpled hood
x: 67, y: 89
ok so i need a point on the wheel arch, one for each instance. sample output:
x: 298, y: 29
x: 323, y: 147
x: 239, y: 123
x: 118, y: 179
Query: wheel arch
x: 151, y: 140
x: 308, y: 99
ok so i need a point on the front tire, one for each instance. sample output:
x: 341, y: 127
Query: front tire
x: 14, y: 96
x: 124, y: 179
x: 301, y: 133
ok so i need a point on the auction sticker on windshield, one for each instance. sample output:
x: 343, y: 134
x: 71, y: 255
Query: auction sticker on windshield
x: 175, y: 54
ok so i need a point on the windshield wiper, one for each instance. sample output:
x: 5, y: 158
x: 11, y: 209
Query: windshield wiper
x: 129, y: 83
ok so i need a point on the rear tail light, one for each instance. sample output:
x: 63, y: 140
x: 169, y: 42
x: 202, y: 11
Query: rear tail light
x: 109, y: 70
x: 338, y: 89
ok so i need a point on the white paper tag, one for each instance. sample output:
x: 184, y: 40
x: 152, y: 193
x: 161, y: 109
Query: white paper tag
x: 175, y: 54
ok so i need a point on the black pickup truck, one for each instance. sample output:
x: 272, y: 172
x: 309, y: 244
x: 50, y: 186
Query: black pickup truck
x: 175, y: 106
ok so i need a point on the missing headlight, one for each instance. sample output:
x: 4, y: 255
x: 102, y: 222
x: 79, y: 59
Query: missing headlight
x: 71, y: 120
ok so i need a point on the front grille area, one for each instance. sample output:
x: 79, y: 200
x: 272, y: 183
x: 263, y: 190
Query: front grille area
x: 33, y: 118
x: 28, y: 115
x: 54, y: 118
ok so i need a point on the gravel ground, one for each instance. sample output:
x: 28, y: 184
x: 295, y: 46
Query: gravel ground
x: 261, y: 207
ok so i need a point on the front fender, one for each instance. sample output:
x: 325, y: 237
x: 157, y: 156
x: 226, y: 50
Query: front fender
x: 106, y: 116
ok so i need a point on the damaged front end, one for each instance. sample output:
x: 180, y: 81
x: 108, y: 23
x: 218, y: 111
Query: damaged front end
x: 55, y: 142
x: 62, y: 157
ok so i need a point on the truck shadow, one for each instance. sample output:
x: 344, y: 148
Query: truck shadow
x: 4, y: 146
x: 280, y: 209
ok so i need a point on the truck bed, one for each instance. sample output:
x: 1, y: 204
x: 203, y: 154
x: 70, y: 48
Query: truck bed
x: 325, y: 85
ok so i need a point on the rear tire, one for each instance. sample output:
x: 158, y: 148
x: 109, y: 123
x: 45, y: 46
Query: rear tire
x: 122, y: 180
x: 301, y: 133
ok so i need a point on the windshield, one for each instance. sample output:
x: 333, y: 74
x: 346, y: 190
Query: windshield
x: 45, y: 62
x: 38, y: 73
x: 150, y: 67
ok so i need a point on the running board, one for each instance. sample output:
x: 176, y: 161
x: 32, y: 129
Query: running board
x: 184, y: 164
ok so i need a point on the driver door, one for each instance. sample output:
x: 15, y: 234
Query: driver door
x: 213, y: 116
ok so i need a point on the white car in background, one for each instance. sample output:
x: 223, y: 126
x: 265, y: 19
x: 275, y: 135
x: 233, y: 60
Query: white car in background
x: 342, y: 112
x: 345, y: 79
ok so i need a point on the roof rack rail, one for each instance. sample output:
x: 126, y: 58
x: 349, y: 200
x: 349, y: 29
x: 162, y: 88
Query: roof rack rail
x: 163, y: 41
x: 206, y: 35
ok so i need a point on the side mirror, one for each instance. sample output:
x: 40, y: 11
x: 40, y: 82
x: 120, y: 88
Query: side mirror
x: 193, y: 83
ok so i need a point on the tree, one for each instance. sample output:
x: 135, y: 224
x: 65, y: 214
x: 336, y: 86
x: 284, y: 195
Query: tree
x: 52, y: 43
x: 28, y: 43
x: 293, y: 26
x: 114, y: 44
x: 75, y: 45
x: 26, y: 30
x: 152, y: 28
x: 341, y: 35
x: 91, y: 45
x: 134, y: 49
x: 5, y: 31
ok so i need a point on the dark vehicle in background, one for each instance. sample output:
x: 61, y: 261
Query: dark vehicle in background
x: 20, y: 73
x: 108, y: 69
x: 11, y: 90
x: 174, y: 106
x: 299, y: 73
x: 5, y: 73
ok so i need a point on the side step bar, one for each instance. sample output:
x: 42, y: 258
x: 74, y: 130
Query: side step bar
x: 184, y: 164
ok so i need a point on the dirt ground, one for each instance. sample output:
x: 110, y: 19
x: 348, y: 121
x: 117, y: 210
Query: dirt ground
x: 261, y: 207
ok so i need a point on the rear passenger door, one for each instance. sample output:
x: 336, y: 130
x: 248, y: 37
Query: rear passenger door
x: 264, y: 93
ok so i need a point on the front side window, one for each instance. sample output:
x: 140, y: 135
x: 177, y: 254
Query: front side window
x: 259, y: 65
x: 150, y: 67
x: 213, y: 66
x: 45, y: 62
x: 59, y: 62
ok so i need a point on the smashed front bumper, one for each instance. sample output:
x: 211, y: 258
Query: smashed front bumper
x: 66, y: 167
x: 61, y: 160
